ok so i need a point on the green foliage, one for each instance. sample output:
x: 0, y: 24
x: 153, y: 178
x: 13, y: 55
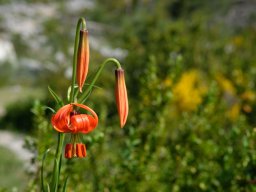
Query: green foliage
x: 169, y: 150
x: 18, y: 116
x: 164, y: 147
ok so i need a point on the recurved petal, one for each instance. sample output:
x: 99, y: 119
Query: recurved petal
x: 121, y: 96
x: 60, y: 121
x: 94, y: 115
x: 84, y: 123
x: 92, y: 122
x: 79, y: 123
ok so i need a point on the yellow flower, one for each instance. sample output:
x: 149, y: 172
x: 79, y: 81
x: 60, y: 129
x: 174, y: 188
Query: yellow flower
x: 234, y: 111
x: 188, y: 91
x: 225, y: 84
x: 248, y: 96
x: 167, y: 82
x: 230, y: 97
x: 239, y: 77
x: 238, y: 41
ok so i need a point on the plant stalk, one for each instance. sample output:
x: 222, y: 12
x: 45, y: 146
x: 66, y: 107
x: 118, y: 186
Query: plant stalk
x: 80, y: 21
x: 57, y: 163
x: 83, y: 97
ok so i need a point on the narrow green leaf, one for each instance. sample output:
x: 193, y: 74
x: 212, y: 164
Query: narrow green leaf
x: 48, y: 188
x: 86, y: 97
x: 51, y: 109
x: 89, y: 93
x: 55, y: 96
x: 98, y: 87
x: 76, y: 93
x: 42, y: 170
x: 65, y: 185
x: 69, y: 92
x: 57, y: 163
x: 56, y: 176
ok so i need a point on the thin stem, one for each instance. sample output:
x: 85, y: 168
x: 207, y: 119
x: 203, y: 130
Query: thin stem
x: 57, y: 163
x: 80, y: 21
x: 84, y: 95
x: 61, y: 136
x: 42, y: 170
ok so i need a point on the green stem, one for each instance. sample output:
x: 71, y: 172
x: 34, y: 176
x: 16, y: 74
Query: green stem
x: 61, y: 136
x: 57, y: 163
x: 84, y: 95
x: 80, y: 21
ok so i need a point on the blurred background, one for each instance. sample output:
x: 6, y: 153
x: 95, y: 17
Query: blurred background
x: 190, y: 71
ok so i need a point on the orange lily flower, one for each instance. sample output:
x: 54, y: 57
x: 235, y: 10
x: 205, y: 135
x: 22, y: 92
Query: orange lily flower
x: 121, y: 96
x: 82, y: 58
x: 68, y: 120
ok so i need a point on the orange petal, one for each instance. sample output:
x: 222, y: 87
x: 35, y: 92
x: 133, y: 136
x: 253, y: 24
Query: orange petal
x: 121, y: 97
x: 69, y: 151
x: 60, y: 121
x: 82, y: 123
x: 93, y: 120
x: 80, y: 150
x: 79, y: 123
x: 82, y: 58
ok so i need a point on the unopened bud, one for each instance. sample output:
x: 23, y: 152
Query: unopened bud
x: 82, y: 58
x: 121, y: 97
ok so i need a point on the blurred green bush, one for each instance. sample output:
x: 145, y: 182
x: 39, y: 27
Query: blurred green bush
x: 191, y: 85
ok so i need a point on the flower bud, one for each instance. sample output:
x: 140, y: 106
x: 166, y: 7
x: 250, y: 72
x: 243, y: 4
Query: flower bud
x: 121, y: 96
x: 82, y: 58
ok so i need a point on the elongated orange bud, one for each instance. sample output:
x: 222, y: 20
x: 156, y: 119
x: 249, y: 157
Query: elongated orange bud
x: 121, y: 96
x: 82, y: 58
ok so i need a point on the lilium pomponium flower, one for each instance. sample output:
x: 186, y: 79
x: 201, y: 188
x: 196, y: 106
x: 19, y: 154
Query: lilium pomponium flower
x: 69, y: 120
